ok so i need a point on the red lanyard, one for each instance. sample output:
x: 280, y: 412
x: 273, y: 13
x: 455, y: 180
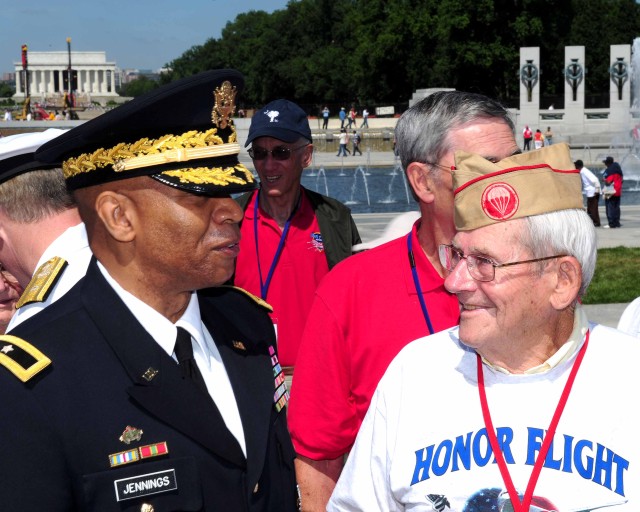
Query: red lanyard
x: 523, y: 506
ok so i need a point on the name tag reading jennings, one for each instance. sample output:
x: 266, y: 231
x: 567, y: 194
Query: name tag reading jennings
x: 145, y: 485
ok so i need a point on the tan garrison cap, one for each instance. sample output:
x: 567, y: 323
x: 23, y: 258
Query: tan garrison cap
x: 532, y: 183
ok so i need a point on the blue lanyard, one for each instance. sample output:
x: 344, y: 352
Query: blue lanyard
x: 264, y: 286
x: 416, y: 282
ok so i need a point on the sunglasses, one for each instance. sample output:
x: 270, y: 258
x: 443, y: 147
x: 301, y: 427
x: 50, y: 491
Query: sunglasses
x: 277, y: 153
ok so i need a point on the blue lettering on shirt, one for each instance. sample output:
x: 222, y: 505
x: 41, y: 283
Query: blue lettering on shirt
x: 588, y: 459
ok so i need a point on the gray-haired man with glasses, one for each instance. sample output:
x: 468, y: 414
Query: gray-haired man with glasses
x: 523, y: 406
x: 291, y: 236
x: 369, y: 307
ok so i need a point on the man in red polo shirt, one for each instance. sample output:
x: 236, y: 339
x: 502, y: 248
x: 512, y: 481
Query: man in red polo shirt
x: 369, y: 307
x: 291, y: 236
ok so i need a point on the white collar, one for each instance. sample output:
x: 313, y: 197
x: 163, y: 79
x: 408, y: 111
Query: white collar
x: 158, y: 326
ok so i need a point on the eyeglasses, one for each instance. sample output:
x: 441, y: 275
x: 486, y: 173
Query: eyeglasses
x: 277, y: 153
x: 480, y: 268
x: 443, y: 167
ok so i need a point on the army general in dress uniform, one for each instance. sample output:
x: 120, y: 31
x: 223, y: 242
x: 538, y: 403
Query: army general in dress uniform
x: 149, y: 386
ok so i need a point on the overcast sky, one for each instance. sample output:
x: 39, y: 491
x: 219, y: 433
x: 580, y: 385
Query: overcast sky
x: 141, y: 34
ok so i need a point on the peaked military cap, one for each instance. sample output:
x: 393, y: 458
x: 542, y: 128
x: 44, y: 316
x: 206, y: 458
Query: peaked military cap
x: 180, y: 134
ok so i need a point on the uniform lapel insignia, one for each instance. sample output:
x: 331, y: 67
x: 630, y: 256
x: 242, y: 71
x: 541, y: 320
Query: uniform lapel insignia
x: 149, y: 374
x: 42, y: 281
x: 131, y: 434
x: 21, y: 358
x: 238, y: 345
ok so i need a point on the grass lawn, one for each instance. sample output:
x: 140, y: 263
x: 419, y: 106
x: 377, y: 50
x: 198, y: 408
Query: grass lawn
x: 617, y: 276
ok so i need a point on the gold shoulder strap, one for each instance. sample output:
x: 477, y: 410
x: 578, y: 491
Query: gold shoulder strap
x: 21, y: 358
x: 253, y: 297
x: 42, y: 281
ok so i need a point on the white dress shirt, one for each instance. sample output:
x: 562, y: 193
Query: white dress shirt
x: 205, y: 351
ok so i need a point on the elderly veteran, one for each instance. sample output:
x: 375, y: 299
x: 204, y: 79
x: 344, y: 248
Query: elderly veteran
x: 43, y: 242
x: 371, y: 305
x: 525, y: 405
x: 289, y: 234
x: 147, y: 386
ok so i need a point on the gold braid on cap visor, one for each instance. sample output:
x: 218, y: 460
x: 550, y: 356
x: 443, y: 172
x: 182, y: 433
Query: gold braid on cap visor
x: 191, y: 145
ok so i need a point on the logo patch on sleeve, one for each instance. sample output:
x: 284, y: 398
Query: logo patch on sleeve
x: 145, y: 485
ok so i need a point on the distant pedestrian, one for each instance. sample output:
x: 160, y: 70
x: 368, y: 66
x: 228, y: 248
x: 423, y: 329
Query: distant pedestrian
x: 344, y: 139
x: 325, y: 117
x: 7, y: 115
x: 365, y: 119
x: 613, y: 176
x: 590, y: 188
x: 356, y: 143
x: 538, y: 139
x: 548, y: 137
x: 352, y: 118
x: 527, y: 135
x: 343, y: 116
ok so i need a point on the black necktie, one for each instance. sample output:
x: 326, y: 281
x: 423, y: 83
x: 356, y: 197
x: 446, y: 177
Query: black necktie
x: 188, y: 366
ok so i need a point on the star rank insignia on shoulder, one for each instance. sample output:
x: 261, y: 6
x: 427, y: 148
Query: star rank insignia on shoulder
x: 21, y: 358
x: 42, y: 282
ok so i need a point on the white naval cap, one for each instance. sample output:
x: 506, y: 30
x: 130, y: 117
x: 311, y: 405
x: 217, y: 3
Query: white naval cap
x: 17, y: 152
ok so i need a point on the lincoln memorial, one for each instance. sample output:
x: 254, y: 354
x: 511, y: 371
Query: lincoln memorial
x: 94, y: 77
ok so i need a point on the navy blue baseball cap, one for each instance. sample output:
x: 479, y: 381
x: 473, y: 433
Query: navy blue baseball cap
x: 282, y: 120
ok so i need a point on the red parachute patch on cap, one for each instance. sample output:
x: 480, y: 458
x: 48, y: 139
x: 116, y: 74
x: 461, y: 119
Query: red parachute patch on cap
x: 500, y: 201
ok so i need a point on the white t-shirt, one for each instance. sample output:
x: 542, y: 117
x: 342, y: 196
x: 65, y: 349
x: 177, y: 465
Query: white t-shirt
x: 630, y: 319
x: 423, y: 444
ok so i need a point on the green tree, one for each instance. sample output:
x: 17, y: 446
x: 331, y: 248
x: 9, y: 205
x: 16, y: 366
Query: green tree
x: 138, y: 86
x: 6, y: 90
x: 597, y: 24
x: 380, y: 51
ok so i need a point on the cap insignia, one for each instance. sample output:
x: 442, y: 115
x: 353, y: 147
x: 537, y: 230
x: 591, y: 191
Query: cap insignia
x: 225, y: 104
x: 500, y: 201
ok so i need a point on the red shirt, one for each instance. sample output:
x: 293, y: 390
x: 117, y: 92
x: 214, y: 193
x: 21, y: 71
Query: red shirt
x: 301, y: 266
x: 616, y: 179
x: 365, y: 311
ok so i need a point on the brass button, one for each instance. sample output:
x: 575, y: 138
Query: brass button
x: 146, y: 508
x: 256, y: 488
